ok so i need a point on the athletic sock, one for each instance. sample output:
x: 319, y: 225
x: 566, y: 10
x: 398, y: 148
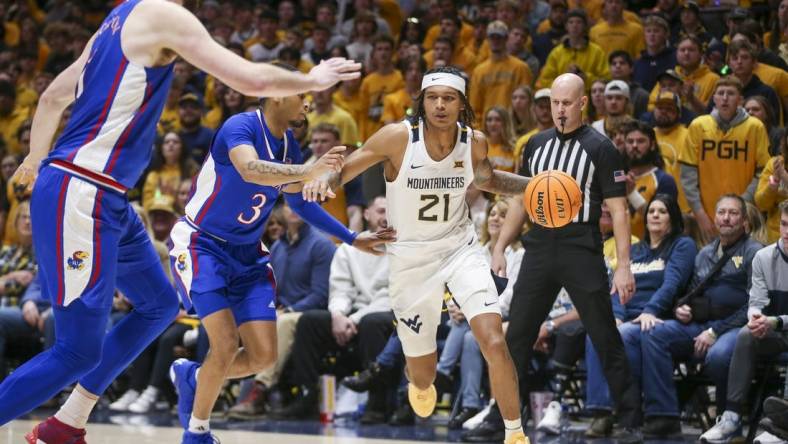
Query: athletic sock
x: 512, y: 426
x: 199, y: 425
x: 76, y: 410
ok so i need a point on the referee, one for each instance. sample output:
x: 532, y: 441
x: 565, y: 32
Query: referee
x: 571, y: 256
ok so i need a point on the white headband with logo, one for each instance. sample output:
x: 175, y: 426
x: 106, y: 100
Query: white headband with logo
x: 443, y: 79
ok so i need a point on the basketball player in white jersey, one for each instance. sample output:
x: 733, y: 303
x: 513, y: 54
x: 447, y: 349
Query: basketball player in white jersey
x: 429, y: 163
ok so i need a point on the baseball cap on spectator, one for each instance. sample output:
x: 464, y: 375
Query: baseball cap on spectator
x: 578, y: 13
x: 739, y: 14
x: 670, y: 73
x: 162, y: 202
x: 212, y: 3
x: 617, y: 87
x: 190, y: 98
x: 670, y: 98
x: 543, y: 93
x: 498, y: 28
x: 692, y: 6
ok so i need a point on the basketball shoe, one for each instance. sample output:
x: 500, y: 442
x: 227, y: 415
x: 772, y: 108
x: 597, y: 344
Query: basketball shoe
x: 199, y: 438
x: 518, y: 438
x: 183, y: 375
x: 53, y: 431
x: 422, y: 401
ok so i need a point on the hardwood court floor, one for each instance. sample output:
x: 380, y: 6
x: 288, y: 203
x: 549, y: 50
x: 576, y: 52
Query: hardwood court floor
x: 147, y: 434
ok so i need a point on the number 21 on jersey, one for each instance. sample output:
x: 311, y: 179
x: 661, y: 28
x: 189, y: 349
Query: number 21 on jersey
x: 430, y: 200
x: 257, y: 210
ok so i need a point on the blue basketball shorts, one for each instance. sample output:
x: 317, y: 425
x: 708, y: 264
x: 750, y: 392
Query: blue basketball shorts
x: 212, y: 274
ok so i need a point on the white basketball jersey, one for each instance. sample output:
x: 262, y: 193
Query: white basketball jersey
x: 426, y: 201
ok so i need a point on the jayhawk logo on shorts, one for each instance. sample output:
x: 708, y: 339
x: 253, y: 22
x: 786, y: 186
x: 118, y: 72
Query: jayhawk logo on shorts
x: 180, y: 263
x: 77, y: 260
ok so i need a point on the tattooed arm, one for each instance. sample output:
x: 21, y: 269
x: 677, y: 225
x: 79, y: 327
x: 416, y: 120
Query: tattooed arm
x: 254, y: 170
x: 488, y: 179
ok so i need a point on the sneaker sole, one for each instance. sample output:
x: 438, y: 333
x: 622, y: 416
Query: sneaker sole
x: 422, y: 409
x: 549, y: 430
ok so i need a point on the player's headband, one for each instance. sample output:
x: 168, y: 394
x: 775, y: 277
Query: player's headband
x: 443, y: 79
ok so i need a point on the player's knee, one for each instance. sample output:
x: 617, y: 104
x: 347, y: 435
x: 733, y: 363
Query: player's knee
x: 492, y: 343
x: 225, y: 345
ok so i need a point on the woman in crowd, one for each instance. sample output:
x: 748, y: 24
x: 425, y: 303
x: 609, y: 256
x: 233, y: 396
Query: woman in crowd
x: 170, y: 165
x: 773, y: 189
x: 758, y: 107
x: 596, y: 106
x: 662, y: 264
x: 500, y: 138
x: 523, y: 119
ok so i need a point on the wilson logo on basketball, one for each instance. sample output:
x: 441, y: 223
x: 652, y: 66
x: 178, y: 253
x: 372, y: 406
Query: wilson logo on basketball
x: 552, y: 199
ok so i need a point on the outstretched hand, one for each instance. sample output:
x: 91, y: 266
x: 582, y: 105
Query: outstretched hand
x: 330, y: 162
x: 318, y: 190
x: 368, y: 241
x: 334, y: 70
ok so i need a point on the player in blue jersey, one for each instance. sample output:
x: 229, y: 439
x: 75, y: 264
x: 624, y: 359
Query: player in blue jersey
x: 88, y: 240
x: 221, y: 266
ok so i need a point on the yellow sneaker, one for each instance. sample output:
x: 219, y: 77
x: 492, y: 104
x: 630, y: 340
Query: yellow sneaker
x: 422, y: 401
x: 518, y: 438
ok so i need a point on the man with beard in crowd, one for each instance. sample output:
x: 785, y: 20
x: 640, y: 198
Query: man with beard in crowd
x: 670, y: 137
x: 645, y: 178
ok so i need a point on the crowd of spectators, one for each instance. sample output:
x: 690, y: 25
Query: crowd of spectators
x: 693, y: 94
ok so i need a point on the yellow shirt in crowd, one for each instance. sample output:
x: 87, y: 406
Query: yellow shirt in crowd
x: 9, y: 126
x: 169, y: 120
x: 671, y: 142
x: 500, y: 157
x: 396, y: 106
x: 492, y: 83
x: 591, y: 59
x: 351, y: 104
x: 767, y: 200
x: 519, y: 146
x: 348, y: 130
x: 646, y: 185
x: 703, y: 83
x: 627, y: 36
x: 373, y: 88
x: 726, y: 161
x: 466, y: 35
x: 163, y: 181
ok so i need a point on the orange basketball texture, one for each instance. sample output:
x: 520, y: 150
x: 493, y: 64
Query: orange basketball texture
x: 552, y: 199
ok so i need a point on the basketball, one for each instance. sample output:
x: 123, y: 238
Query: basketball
x: 552, y: 199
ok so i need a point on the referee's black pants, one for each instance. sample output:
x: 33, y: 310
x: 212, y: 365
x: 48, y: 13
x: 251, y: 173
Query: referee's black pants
x: 570, y: 257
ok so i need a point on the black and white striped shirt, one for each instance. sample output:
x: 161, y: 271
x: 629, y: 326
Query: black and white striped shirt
x: 586, y: 155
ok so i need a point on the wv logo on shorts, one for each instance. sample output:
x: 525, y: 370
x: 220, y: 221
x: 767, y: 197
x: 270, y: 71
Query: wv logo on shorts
x: 77, y: 260
x: 180, y: 263
x: 414, y: 324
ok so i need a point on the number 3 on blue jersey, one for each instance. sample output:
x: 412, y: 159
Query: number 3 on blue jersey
x: 256, y: 210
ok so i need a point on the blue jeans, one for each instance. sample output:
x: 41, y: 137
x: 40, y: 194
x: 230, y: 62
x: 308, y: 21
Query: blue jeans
x: 453, y: 347
x: 392, y: 352
x: 597, y: 390
x: 674, y: 340
x: 471, y: 370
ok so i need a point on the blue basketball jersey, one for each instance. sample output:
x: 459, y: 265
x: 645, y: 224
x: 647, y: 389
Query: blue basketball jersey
x: 222, y: 203
x: 118, y: 104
